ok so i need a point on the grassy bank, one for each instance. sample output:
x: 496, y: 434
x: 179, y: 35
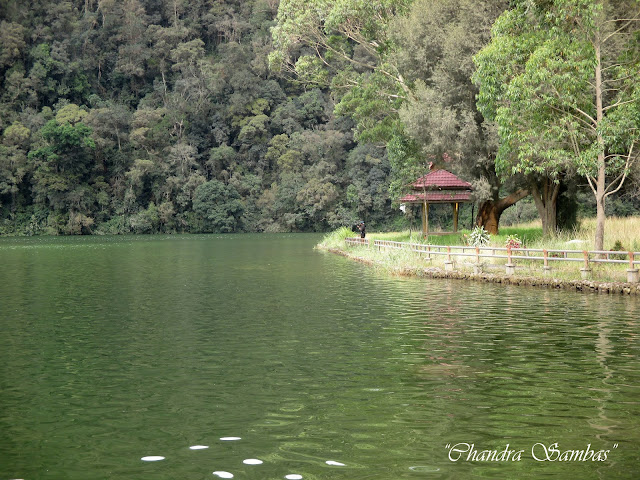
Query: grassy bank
x: 625, y: 230
x: 620, y: 234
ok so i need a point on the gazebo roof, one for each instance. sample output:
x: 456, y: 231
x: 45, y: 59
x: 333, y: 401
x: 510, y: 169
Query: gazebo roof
x: 440, y: 180
x: 443, y: 196
x: 439, y: 186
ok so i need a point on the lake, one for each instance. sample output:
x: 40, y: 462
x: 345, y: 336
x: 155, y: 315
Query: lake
x: 259, y: 347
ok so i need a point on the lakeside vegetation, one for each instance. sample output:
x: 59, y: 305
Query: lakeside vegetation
x: 623, y: 235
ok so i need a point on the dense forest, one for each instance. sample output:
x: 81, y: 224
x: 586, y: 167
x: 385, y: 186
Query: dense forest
x: 145, y: 116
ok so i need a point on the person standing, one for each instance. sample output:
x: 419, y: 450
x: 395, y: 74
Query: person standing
x: 362, y: 229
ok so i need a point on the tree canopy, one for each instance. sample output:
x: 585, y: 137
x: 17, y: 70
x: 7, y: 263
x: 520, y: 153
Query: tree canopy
x: 560, y: 80
x: 149, y: 116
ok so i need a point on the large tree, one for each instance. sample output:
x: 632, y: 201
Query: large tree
x: 437, y: 40
x: 402, y: 70
x: 560, y: 79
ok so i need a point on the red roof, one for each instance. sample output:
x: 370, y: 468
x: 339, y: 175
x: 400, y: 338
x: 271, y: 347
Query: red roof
x: 440, y: 179
x: 444, y: 196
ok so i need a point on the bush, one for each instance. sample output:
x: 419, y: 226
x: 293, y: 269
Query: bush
x: 479, y: 237
x: 513, y: 242
x: 336, y: 238
x: 618, y: 247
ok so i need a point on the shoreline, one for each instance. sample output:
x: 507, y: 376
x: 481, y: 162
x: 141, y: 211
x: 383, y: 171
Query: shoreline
x: 615, y: 288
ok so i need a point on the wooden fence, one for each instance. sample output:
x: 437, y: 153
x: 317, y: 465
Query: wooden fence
x: 545, y: 256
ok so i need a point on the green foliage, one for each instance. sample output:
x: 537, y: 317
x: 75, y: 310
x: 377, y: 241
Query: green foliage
x: 218, y: 207
x: 117, y: 116
x: 555, y: 79
x: 335, y: 239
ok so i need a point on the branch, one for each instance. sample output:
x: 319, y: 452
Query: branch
x: 396, y: 78
x: 510, y: 199
x: 592, y: 120
x: 623, y: 176
x: 617, y: 105
x: 578, y: 118
x: 629, y: 22
x: 593, y: 188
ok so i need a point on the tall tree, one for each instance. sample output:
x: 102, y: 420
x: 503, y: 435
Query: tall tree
x: 560, y: 77
x: 402, y: 68
x: 437, y: 40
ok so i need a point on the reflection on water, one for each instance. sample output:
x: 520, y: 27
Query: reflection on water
x: 258, y: 357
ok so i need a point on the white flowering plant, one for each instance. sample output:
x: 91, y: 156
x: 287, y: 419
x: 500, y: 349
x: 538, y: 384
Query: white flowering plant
x: 479, y: 237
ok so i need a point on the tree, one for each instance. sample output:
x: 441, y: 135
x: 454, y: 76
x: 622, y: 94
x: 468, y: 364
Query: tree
x: 345, y: 45
x: 402, y: 69
x: 62, y: 165
x: 218, y: 207
x: 437, y: 40
x: 13, y: 161
x: 560, y: 77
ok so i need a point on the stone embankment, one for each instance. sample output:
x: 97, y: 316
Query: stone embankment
x: 619, y: 288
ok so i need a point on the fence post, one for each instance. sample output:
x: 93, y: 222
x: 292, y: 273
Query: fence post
x: 546, y: 268
x: 510, y: 268
x: 477, y: 268
x: 448, y: 264
x: 585, y: 272
x: 632, y: 273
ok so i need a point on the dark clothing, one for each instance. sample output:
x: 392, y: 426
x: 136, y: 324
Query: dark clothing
x: 361, y: 227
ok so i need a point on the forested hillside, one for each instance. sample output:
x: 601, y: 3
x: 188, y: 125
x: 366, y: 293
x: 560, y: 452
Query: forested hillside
x: 145, y: 116
x: 161, y: 116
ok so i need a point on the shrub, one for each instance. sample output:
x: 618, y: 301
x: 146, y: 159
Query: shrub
x: 479, y: 237
x: 618, y: 247
x: 513, y: 241
x: 336, y: 238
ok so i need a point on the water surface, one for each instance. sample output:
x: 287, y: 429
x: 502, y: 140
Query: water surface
x: 117, y: 348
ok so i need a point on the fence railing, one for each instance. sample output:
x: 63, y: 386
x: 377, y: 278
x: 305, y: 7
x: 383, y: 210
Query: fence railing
x: 546, y: 256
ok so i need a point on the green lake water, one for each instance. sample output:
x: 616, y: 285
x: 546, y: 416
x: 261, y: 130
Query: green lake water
x: 117, y: 348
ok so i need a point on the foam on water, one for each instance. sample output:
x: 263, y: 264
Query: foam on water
x: 222, y: 474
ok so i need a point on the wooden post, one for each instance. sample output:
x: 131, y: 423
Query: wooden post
x: 546, y: 268
x: 455, y: 216
x: 477, y: 268
x: 585, y: 271
x: 425, y: 218
x: 633, y: 276
x: 448, y: 265
x: 510, y: 268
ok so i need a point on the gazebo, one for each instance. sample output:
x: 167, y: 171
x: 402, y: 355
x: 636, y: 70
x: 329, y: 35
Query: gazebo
x: 438, y: 186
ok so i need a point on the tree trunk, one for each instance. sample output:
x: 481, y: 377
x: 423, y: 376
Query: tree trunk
x: 600, y: 219
x: 600, y: 189
x: 545, y: 197
x: 490, y: 211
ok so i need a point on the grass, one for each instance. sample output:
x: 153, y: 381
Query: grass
x: 625, y: 231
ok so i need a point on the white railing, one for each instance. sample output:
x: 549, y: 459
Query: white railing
x: 546, y: 256
x: 357, y: 241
